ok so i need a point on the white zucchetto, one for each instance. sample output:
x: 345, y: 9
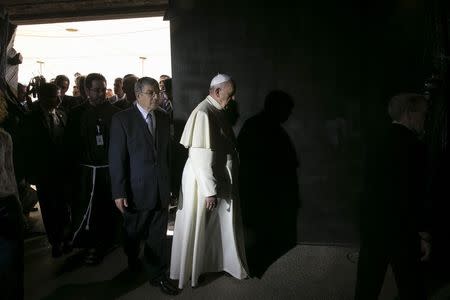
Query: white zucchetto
x: 219, y: 78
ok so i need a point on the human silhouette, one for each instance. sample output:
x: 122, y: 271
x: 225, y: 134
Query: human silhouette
x: 268, y: 183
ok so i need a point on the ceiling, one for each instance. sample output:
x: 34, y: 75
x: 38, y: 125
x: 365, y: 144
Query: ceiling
x: 44, y: 11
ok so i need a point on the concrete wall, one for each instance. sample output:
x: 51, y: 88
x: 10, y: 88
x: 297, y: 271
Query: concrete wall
x: 338, y: 61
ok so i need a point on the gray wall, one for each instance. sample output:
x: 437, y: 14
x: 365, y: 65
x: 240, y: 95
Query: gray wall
x: 339, y: 62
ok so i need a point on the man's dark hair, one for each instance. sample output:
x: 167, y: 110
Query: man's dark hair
x: 129, y: 75
x: 60, y: 79
x: 91, y: 77
x: 404, y: 103
x: 128, y: 83
x: 139, y: 85
x: 168, y: 84
x: 47, y: 90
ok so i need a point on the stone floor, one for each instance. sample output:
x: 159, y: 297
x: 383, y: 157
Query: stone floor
x: 307, y: 272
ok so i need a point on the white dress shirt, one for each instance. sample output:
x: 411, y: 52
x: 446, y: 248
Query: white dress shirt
x: 144, y: 114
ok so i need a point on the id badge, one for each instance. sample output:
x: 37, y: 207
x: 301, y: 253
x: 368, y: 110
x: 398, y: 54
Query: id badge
x: 99, y: 140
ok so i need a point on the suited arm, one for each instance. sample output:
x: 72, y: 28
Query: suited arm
x: 170, y: 163
x: 202, y: 161
x: 118, y: 159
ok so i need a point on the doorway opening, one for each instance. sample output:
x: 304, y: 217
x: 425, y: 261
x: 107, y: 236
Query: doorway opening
x: 114, y: 48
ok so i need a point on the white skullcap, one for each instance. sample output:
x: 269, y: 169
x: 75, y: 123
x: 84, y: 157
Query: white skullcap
x: 219, y: 78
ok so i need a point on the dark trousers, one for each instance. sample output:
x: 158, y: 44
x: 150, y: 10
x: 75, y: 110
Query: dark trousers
x: 404, y: 257
x: 55, y: 211
x: 149, y: 226
x: 11, y: 249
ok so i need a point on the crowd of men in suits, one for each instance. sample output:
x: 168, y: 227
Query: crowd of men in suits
x: 65, y: 155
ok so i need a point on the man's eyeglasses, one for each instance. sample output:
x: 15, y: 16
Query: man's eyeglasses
x: 151, y: 94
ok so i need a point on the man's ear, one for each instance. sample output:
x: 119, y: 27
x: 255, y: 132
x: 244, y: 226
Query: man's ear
x: 217, y: 92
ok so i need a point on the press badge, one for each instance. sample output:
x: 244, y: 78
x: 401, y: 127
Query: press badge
x: 99, y: 137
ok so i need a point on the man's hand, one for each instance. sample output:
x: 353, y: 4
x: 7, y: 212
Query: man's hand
x: 121, y: 203
x: 425, y: 246
x: 211, y: 202
x: 173, y: 200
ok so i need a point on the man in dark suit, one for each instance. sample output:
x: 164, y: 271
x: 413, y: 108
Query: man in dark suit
x: 44, y: 133
x: 394, y: 227
x: 128, y: 83
x: 139, y: 168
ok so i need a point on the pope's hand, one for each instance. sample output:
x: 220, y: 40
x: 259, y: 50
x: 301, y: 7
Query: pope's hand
x: 211, y: 202
x: 425, y: 246
x: 425, y: 249
x: 121, y: 203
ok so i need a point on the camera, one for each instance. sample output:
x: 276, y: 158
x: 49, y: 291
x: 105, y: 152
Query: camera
x: 34, y: 85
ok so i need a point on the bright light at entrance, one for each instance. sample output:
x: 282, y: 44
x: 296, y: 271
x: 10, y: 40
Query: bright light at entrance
x: 113, y: 47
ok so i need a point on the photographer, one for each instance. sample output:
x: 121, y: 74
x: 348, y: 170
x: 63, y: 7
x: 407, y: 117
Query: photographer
x: 34, y: 85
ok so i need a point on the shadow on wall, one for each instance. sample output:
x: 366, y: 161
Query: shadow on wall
x: 269, y: 188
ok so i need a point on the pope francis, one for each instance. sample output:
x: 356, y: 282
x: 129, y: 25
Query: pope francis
x: 208, y: 231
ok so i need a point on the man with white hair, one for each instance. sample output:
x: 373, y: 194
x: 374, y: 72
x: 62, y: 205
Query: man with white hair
x: 394, y: 226
x: 208, y: 231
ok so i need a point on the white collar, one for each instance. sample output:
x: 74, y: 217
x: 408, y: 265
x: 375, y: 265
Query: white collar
x: 144, y: 113
x: 214, y: 102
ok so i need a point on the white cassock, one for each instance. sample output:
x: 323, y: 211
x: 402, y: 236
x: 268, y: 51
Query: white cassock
x: 208, y: 241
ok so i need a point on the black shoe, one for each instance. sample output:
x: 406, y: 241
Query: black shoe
x: 93, y: 257
x: 57, y: 251
x: 200, y: 280
x: 165, y: 285
x: 67, y: 247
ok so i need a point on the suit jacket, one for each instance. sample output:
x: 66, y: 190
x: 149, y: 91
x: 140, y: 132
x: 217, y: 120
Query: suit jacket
x: 69, y: 102
x: 123, y: 104
x: 139, y: 162
x: 44, y: 154
x: 394, y: 204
